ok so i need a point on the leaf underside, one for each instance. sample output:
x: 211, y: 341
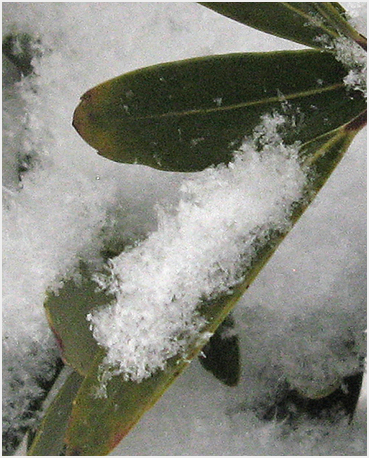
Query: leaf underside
x: 188, y: 115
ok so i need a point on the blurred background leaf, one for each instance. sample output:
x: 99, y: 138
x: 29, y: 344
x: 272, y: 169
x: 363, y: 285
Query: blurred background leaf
x: 221, y: 355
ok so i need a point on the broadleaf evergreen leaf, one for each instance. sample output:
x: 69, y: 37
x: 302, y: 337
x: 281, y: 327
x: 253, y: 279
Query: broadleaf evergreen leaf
x: 303, y: 22
x: 66, y: 311
x: 49, y: 439
x: 188, y: 115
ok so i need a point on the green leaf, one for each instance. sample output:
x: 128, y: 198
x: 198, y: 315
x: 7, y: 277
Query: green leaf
x: 49, y: 439
x: 302, y: 22
x: 185, y: 116
x: 221, y: 355
x: 98, y: 423
x: 66, y: 311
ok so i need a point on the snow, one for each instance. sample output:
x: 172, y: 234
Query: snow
x: 72, y: 204
x: 199, y: 253
x: 356, y: 77
x: 199, y: 416
x: 357, y: 15
x: 350, y: 54
x: 354, y: 58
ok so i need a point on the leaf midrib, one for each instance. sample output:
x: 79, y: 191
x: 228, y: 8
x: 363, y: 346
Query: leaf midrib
x: 278, y: 98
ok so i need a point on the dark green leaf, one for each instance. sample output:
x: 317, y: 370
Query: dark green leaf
x: 188, y: 115
x: 221, y: 355
x: 302, y: 22
x: 49, y: 439
x: 99, y: 423
x: 66, y: 312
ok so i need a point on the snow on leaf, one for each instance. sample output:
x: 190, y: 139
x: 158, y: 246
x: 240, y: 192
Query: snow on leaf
x: 198, y: 252
x: 353, y: 57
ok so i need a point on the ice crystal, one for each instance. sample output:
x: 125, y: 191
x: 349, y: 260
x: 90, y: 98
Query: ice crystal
x: 200, y: 252
x: 354, y: 58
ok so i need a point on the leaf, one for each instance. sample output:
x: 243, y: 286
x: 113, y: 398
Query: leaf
x: 185, y: 116
x: 49, y: 439
x: 302, y: 22
x: 98, y: 423
x: 221, y: 355
x: 334, y: 14
x: 66, y: 312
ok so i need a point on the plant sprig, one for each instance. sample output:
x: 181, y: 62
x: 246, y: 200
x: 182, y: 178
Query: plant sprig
x: 186, y: 116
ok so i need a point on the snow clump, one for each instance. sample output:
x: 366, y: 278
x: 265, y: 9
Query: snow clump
x: 198, y: 253
x: 354, y: 58
x: 347, y: 51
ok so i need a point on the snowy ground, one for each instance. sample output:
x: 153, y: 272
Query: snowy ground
x: 296, y: 317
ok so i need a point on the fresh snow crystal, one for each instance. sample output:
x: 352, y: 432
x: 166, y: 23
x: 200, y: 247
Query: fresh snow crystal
x: 355, y: 59
x: 200, y: 252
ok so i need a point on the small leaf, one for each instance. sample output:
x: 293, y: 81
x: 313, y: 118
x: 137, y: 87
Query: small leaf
x: 49, y: 439
x: 302, y: 22
x: 66, y: 311
x: 221, y: 355
x: 99, y: 423
x: 188, y: 115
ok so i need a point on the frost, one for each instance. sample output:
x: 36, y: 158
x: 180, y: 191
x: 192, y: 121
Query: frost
x: 198, y: 253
